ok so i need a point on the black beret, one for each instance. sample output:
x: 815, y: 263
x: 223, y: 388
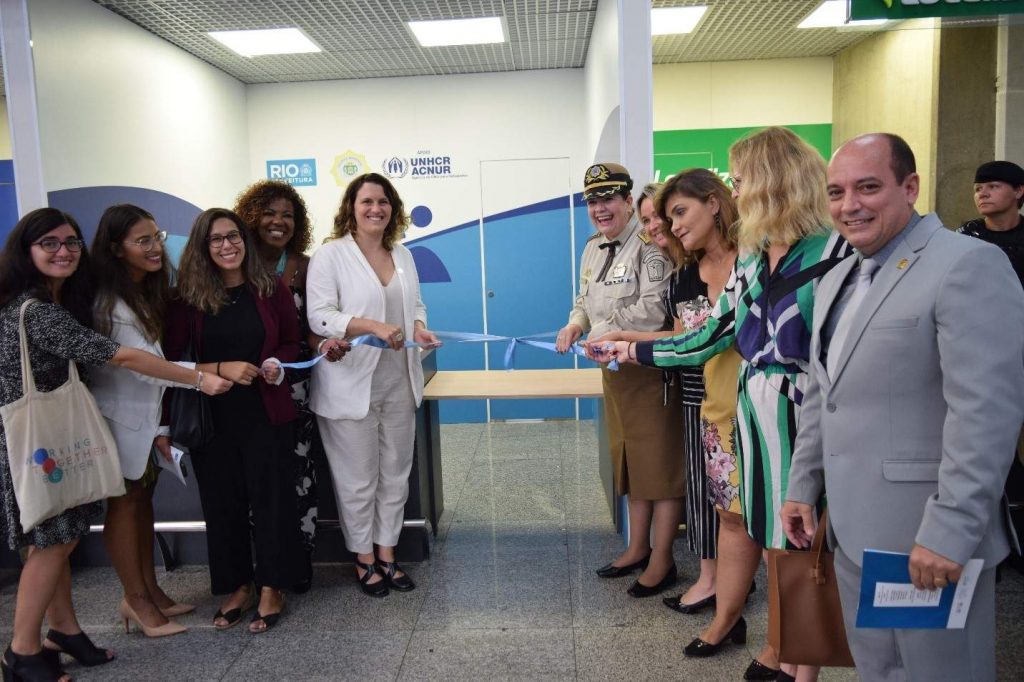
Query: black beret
x: 1000, y: 171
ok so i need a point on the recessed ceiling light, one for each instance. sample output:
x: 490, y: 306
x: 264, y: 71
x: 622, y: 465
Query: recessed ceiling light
x: 832, y: 14
x: 265, y: 41
x: 458, y: 31
x: 672, y: 20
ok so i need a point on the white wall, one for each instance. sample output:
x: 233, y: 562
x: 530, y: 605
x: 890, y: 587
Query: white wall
x: 471, y: 118
x: 601, y: 74
x: 5, y: 131
x: 119, y: 106
x: 742, y: 93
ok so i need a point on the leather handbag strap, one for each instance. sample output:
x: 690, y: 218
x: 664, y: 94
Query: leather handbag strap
x: 818, y: 547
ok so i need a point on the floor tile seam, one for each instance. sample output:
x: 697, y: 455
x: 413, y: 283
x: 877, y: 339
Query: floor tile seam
x: 235, y: 661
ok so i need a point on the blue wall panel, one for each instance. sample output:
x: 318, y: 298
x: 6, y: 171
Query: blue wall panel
x: 456, y: 306
x: 8, y: 199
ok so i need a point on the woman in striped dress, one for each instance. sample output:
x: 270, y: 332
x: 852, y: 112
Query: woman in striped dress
x: 786, y: 246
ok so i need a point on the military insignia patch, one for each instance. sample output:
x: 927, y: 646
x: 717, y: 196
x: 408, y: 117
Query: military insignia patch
x: 656, y: 270
x: 598, y: 172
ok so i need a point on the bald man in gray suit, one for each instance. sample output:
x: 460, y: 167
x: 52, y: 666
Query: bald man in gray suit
x: 912, y: 410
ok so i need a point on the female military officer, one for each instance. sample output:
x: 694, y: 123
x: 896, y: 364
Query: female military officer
x: 623, y: 277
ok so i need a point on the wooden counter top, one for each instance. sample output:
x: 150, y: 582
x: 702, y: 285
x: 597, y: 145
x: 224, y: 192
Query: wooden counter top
x: 520, y: 383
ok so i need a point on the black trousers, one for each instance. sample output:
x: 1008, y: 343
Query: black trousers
x: 248, y: 467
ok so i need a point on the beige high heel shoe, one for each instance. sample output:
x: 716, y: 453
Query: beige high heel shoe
x: 178, y: 610
x: 129, y: 615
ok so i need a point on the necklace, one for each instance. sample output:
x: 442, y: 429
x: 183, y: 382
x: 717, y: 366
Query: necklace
x: 234, y: 293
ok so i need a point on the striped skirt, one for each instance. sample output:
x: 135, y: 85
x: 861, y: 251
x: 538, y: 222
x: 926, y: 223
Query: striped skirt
x: 701, y: 518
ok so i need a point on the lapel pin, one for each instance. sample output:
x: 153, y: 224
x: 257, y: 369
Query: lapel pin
x: 902, y: 264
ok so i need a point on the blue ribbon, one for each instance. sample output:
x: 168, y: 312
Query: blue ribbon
x: 464, y: 337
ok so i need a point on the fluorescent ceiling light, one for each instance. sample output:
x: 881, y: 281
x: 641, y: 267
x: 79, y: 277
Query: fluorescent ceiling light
x: 832, y: 14
x: 672, y: 20
x: 266, y: 41
x: 458, y: 32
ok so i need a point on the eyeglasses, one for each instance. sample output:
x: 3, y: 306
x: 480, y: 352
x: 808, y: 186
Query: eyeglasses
x: 217, y: 240
x: 733, y: 182
x: 148, y: 243
x: 52, y: 244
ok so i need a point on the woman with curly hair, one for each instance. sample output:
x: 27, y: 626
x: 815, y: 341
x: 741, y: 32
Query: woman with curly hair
x: 363, y: 281
x: 276, y: 214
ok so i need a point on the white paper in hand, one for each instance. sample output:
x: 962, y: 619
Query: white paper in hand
x: 173, y: 466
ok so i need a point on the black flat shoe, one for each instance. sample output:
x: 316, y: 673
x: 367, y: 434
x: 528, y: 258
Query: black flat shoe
x: 696, y: 607
x: 759, y: 671
x: 698, y: 648
x: 612, y: 571
x: 38, y: 667
x: 377, y: 589
x: 402, y: 583
x: 269, y: 621
x: 78, y: 647
x: 234, y: 616
x: 639, y: 590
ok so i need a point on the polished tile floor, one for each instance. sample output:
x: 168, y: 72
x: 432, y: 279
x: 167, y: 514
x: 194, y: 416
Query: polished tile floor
x: 509, y: 593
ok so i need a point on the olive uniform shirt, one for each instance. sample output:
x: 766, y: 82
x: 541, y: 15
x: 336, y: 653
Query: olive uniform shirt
x: 623, y: 292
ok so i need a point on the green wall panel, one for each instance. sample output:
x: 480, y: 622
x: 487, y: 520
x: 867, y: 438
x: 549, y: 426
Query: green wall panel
x: 677, y: 150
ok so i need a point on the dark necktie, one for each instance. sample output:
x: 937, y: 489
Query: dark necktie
x: 611, y: 246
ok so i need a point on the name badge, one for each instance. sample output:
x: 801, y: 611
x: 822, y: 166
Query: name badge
x: 619, y: 270
x: 620, y: 280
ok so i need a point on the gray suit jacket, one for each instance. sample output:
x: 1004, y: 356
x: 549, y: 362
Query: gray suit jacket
x: 913, y: 436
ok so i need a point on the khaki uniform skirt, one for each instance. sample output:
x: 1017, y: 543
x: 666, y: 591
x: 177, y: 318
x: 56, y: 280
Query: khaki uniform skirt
x: 645, y: 435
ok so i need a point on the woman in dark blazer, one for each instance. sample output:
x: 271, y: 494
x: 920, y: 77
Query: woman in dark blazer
x: 244, y: 325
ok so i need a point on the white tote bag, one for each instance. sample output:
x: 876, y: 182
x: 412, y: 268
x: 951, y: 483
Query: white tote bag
x: 60, y: 449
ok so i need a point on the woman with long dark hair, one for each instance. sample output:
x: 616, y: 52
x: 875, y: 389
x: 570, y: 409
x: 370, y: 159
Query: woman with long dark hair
x: 131, y: 280
x: 45, y: 259
x: 242, y: 324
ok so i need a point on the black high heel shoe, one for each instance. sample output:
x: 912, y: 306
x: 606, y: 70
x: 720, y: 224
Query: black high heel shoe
x: 612, y: 571
x: 377, y: 589
x: 389, y: 569
x: 38, y: 667
x: 639, y: 590
x: 698, y: 648
x: 78, y: 647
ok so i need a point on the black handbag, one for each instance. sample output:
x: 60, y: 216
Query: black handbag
x: 191, y: 419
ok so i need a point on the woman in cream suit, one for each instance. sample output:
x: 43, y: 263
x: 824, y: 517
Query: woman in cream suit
x: 363, y: 281
x: 131, y: 282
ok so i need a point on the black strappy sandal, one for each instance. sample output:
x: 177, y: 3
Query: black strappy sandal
x: 389, y: 569
x: 377, y: 589
x: 78, y: 647
x: 40, y: 667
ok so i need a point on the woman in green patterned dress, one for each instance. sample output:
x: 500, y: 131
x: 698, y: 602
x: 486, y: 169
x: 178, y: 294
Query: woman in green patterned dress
x: 786, y: 246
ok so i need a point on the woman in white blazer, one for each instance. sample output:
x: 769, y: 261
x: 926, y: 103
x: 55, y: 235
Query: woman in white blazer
x: 131, y: 275
x: 363, y: 281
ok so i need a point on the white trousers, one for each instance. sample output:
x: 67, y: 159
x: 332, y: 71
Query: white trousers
x: 370, y: 460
